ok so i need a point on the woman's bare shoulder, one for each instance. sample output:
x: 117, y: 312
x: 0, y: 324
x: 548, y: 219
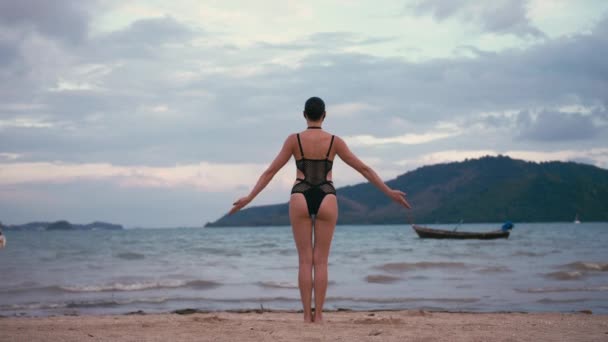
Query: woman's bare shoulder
x: 338, y: 141
x: 291, y: 139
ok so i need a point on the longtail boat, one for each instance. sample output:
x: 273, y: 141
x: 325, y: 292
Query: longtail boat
x: 431, y: 233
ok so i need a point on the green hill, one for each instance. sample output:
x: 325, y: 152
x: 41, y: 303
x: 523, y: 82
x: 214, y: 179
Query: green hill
x: 489, y: 189
x: 64, y: 225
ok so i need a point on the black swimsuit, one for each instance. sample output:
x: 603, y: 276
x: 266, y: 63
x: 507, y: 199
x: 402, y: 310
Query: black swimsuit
x: 315, y: 185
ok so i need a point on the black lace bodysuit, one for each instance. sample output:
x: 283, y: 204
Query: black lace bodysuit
x: 315, y: 185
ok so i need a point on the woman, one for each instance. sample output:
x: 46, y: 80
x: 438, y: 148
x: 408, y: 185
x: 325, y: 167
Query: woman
x: 313, y: 206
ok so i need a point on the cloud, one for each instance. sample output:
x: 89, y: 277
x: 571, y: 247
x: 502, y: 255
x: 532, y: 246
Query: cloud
x: 556, y: 126
x: 599, y: 156
x: 327, y: 40
x: 500, y: 16
x: 207, y: 177
x: 150, y: 31
x: 24, y: 122
x: 143, y: 38
x: 155, y: 102
x: 384, y: 99
x: 441, y: 132
x: 8, y: 51
x: 352, y: 109
x: 62, y: 19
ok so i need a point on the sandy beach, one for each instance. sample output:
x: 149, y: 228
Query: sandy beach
x: 287, y: 326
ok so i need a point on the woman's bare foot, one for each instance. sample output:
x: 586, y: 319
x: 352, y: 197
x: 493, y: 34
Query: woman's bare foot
x: 308, y: 318
x: 318, y: 318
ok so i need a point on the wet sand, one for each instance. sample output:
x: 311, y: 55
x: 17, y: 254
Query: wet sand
x: 288, y: 326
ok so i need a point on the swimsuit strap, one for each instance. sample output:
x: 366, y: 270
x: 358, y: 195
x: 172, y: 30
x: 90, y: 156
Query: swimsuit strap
x: 300, y: 144
x: 330, y: 144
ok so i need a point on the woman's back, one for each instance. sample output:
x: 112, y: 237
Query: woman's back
x: 314, y: 167
x: 315, y: 144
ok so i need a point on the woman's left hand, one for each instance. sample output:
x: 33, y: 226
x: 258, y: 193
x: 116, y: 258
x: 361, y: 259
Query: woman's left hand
x: 240, y: 203
x: 399, y: 197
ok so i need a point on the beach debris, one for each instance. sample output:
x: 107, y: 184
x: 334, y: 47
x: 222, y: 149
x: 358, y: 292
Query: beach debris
x: 375, y: 332
x: 187, y: 311
x: 210, y: 319
x: 138, y: 312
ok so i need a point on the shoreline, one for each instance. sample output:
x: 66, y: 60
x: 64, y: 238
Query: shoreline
x: 262, y: 310
x: 273, y: 325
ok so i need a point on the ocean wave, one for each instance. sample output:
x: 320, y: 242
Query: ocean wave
x: 32, y: 306
x: 381, y: 279
x: 564, y: 289
x: 284, y: 284
x: 112, y: 303
x: 577, y: 270
x: 116, y: 286
x: 407, y: 266
x: 25, y: 289
x: 529, y: 254
x: 278, y: 284
x: 244, y: 302
x: 418, y: 277
x: 287, y: 251
x: 565, y: 275
x: 587, y: 266
x: 561, y: 301
x: 457, y: 254
x: 402, y: 300
x: 215, y: 251
x: 102, y: 303
x: 262, y: 245
x: 494, y: 269
x: 145, y: 285
x: 130, y: 256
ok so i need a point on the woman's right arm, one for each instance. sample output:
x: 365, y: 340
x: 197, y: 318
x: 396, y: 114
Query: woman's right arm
x: 351, y: 160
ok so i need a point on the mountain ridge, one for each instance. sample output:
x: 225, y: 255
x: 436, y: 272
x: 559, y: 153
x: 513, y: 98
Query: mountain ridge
x: 62, y: 225
x: 487, y: 189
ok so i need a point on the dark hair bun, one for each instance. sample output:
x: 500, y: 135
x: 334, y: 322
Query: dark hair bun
x: 314, y: 108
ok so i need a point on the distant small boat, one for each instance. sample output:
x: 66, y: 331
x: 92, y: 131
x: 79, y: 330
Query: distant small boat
x: 430, y: 233
x: 576, y: 220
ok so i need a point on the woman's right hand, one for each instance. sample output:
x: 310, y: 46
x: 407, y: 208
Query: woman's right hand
x: 399, y: 197
x: 239, y: 204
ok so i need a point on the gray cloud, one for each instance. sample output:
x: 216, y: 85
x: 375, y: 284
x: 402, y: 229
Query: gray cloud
x: 8, y: 52
x: 144, y: 95
x: 501, y: 17
x: 64, y: 19
x: 151, y: 31
x: 327, y: 40
x: 556, y: 126
x: 142, y: 39
x: 212, y: 113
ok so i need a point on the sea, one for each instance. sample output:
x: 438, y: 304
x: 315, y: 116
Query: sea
x: 559, y: 267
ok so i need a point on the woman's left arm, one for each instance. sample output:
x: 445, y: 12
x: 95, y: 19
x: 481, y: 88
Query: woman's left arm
x: 281, y: 159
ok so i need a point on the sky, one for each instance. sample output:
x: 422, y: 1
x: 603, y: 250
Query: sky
x: 161, y: 113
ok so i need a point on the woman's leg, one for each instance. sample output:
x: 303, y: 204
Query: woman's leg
x: 301, y: 225
x: 325, y: 223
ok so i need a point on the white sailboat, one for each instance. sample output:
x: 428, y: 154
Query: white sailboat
x: 576, y: 220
